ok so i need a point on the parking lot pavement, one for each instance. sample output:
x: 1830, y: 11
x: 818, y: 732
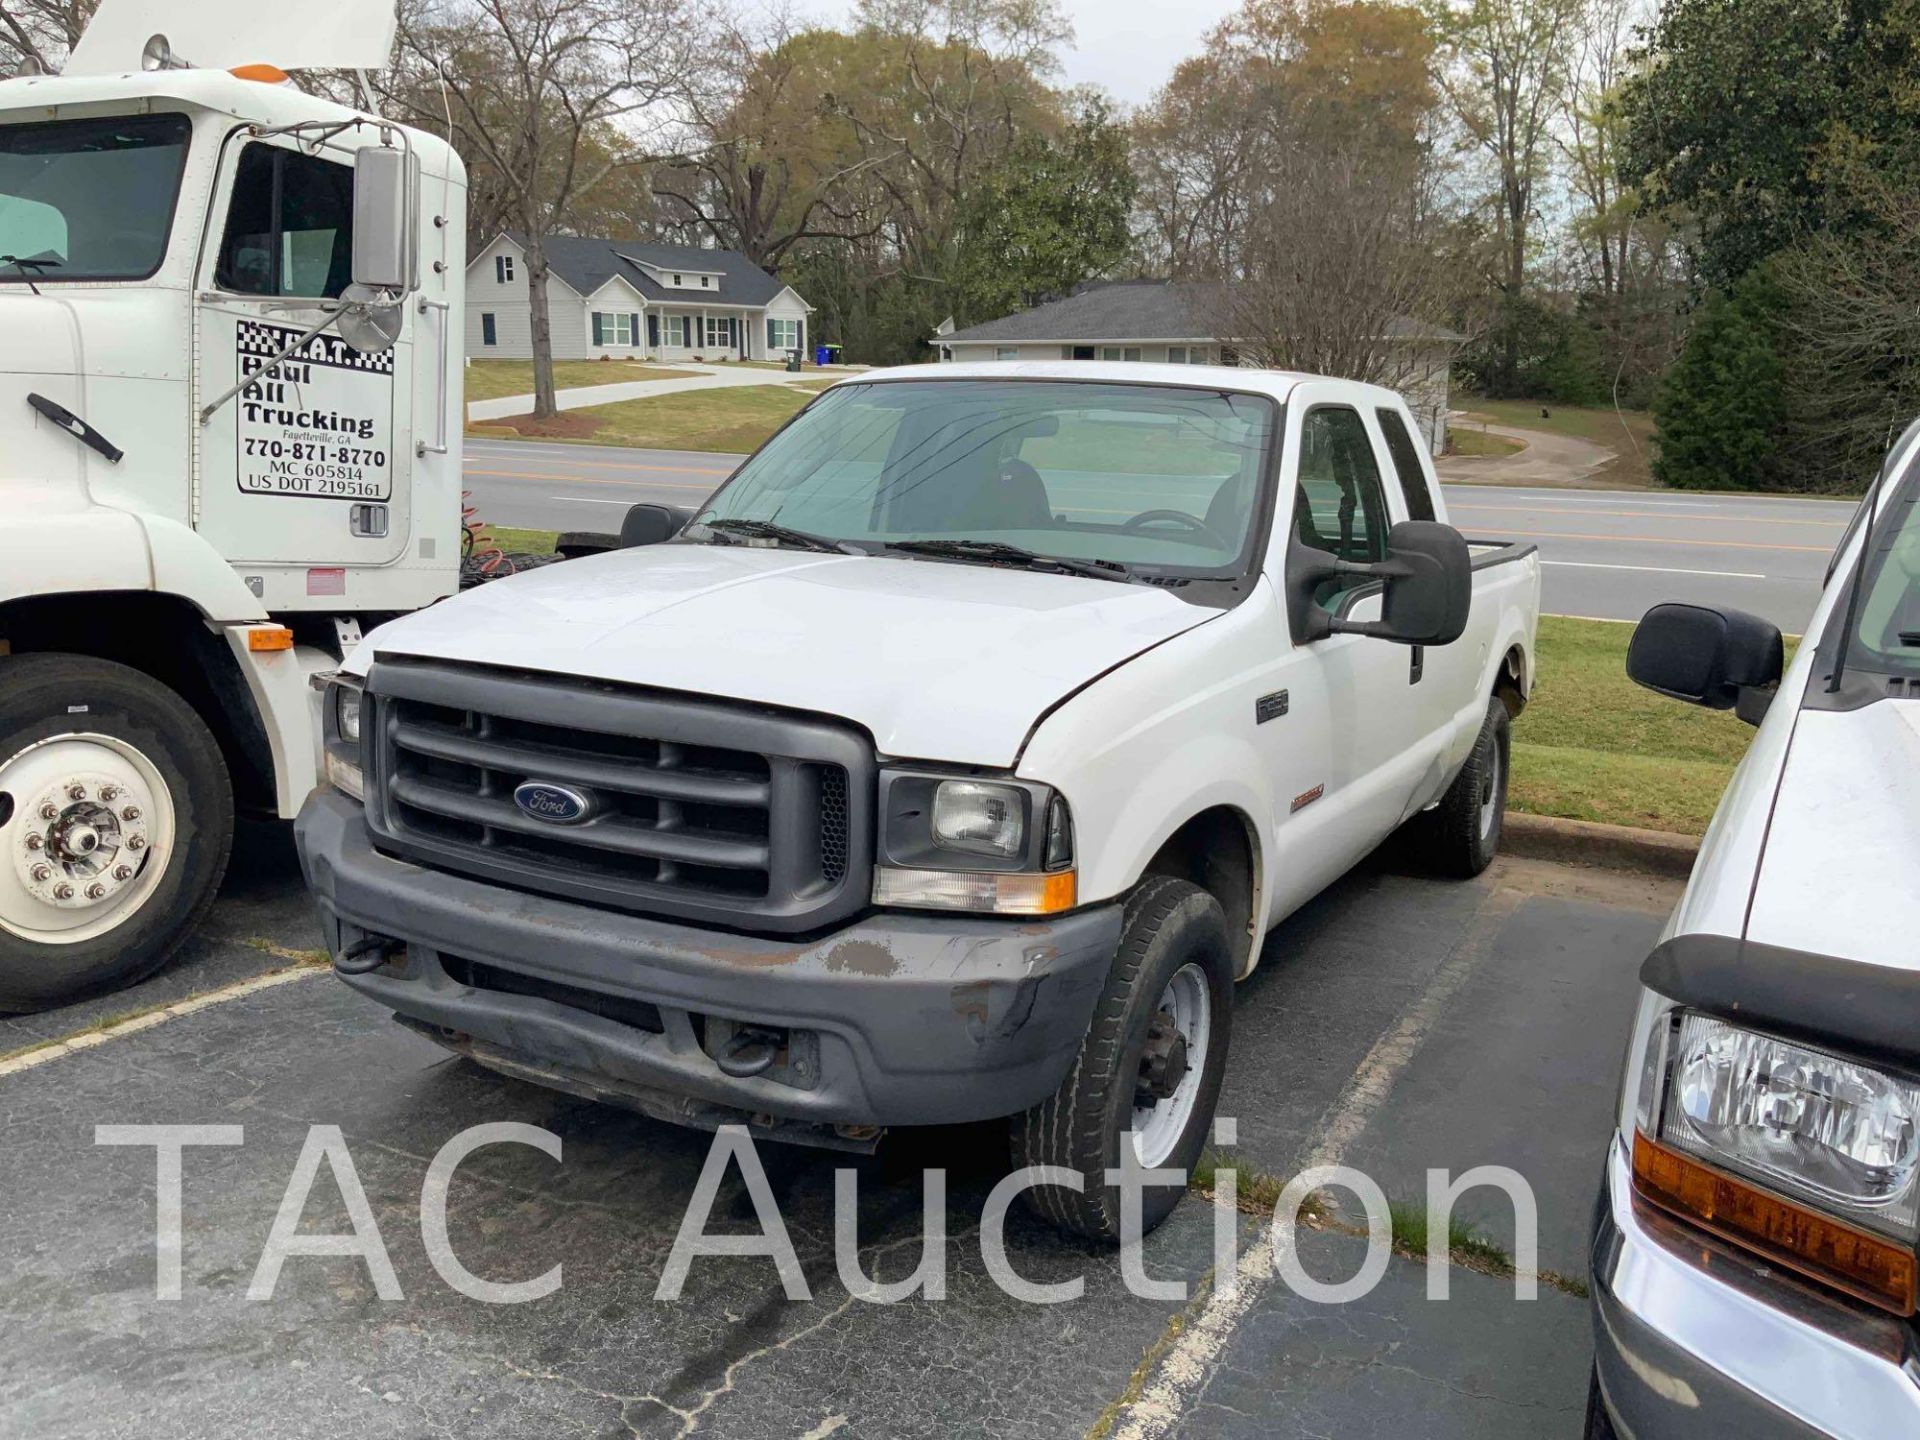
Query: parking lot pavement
x: 1397, y: 1022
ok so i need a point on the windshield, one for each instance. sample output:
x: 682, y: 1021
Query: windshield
x: 89, y: 199
x: 1886, y: 636
x: 1147, y: 476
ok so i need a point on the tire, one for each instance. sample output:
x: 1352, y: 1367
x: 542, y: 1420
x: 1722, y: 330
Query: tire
x: 119, y: 736
x: 1168, y: 926
x: 1461, y: 835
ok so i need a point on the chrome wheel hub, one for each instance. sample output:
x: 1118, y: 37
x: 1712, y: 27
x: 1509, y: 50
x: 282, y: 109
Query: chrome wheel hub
x: 86, y: 838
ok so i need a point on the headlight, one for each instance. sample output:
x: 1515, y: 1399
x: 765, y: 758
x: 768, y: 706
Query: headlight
x: 1806, y: 1156
x: 340, y: 705
x: 999, y: 846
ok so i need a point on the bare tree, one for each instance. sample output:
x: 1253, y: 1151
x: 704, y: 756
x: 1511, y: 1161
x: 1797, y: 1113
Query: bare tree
x: 555, y: 96
x: 40, y: 31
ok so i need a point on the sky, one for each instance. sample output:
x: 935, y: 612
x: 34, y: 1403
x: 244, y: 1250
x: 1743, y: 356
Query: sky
x: 1127, y: 47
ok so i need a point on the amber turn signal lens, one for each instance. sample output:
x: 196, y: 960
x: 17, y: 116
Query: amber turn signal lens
x: 265, y: 74
x: 269, y: 637
x: 1863, y: 1265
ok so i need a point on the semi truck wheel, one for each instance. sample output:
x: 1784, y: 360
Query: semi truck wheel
x: 116, y: 819
x: 1461, y: 835
x: 1148, y: 1073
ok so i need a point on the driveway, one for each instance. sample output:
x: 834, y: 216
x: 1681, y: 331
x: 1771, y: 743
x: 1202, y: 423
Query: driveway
x: 1397, y: 1022
x: 1543, y: 459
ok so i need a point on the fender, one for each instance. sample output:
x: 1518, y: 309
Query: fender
x: 56, y: 551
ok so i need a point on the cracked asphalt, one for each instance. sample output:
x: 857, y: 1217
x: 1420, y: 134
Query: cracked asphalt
x: 1397, y: 1023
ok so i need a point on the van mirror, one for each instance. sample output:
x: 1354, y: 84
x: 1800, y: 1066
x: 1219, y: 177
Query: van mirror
x: 385, y: 246
x: 1426, y: 580
x: 1719, y: 659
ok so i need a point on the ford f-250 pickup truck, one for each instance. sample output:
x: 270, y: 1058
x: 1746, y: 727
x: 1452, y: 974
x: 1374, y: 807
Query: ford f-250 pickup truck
x: 951, y: 763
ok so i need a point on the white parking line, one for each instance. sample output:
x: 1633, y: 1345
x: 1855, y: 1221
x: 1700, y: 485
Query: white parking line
x: 1653, y: 569
x: 1187, y: 1364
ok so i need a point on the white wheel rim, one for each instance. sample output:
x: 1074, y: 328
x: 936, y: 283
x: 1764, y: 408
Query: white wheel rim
x: 1490, y: 792
x: 1157, y: 1128
x: 88, y: 838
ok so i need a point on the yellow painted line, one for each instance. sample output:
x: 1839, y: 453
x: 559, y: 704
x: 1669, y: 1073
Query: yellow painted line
x: 592, y: 480
x: 1653, y: 540
x: 1646, y: 515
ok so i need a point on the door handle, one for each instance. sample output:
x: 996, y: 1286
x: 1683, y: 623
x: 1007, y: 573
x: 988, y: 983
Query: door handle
x: 421, y: 447
x: 1418, y: 665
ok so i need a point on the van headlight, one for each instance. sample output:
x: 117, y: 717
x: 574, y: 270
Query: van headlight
x: 994, y: 845
x: 1811, y: 1158
x: 342, y: 698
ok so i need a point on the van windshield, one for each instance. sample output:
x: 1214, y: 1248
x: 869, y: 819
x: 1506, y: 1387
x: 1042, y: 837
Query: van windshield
x: 88, y: 199
x: 1152, y: 477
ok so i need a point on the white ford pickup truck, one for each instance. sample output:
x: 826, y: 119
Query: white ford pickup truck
x: 952, y: 763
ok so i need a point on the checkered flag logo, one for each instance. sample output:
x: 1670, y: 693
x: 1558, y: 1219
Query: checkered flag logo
x: 256, y: 337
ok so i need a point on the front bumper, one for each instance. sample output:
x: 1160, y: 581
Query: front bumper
x: 1695, y: 1338
x: 895, y: 1019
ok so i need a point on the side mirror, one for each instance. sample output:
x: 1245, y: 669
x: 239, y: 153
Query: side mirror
x: 1720, y: 659
x: 386, y: 250
x: 1427, y: 580
x: 648, y: 524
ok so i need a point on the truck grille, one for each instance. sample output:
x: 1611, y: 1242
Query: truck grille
x: 723, y: 814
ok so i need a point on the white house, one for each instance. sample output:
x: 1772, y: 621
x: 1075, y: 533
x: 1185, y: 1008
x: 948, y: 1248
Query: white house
x: 1174, y: 322
x: 630, y: 299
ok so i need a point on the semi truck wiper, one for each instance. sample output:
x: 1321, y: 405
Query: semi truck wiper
x: 999, y: 550
x: 23, y: 265
x: 786, y: 534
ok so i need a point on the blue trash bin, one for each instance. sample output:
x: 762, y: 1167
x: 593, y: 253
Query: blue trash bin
x: 823, y: 354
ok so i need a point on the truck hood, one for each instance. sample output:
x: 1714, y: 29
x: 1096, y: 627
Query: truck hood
x: 1838, y: 873
x: 938, y: 661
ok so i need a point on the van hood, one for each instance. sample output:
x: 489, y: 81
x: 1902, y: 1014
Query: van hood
x: 938, y: 661
x: 1837, y: 876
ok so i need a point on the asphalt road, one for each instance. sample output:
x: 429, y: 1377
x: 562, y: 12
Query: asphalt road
x: 1397, y: 1022
x: 1607, y: 554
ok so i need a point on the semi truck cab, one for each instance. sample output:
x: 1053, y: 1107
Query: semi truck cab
x: 230, y: 398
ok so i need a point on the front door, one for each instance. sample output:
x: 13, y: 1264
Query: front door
x: 309, y: 465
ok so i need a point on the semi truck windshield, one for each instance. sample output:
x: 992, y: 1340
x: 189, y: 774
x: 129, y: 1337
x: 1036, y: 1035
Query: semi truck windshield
x: 88, y: 199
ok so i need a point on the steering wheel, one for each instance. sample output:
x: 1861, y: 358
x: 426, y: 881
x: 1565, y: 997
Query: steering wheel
x: 1183, y: 520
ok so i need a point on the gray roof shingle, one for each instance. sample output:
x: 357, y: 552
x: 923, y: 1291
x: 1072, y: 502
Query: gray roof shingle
x: 1135, y: 310
x: 587, y: 264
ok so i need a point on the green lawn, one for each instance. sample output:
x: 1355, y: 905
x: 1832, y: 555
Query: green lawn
x: 496, y: 379
x: 1629, y: 433
x: 1594, y: 746
x: 1464, y: 440
x: 729, y: 421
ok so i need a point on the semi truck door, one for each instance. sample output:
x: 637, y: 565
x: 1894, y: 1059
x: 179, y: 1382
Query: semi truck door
x: 310, y: 465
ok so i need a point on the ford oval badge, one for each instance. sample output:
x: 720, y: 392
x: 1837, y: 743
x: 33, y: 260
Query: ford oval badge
x: 556, y: 804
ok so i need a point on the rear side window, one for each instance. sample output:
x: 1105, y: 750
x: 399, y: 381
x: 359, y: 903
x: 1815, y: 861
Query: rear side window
x: 1406, y: 464
x: 289, y: 226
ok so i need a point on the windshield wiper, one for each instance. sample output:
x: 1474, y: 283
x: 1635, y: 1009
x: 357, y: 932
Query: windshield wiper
x: 785, y: 534
x: 23, y: 264
x: 1000, y: 551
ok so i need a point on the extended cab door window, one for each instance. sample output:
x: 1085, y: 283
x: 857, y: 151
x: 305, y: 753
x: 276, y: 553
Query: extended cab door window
x: 1406, y: 464
x: 1340, y: 506
x: 289, y: 226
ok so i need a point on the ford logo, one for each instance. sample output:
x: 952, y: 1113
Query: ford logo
x: 556, y: 804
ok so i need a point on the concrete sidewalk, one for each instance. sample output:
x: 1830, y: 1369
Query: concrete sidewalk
x: 708, y: 377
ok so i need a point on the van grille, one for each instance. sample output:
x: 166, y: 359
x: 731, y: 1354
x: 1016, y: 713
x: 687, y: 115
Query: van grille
x: 733, y: 815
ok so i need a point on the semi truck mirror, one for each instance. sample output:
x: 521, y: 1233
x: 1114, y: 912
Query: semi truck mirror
x: 1719, y: 659
x: 385, y: 247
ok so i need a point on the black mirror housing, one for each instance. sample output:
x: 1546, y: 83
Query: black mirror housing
x: 649, y: 524
x: 1708, y: 657
x: 1426, y: 579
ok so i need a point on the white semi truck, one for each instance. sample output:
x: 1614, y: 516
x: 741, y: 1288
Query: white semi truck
x: 230, y: 387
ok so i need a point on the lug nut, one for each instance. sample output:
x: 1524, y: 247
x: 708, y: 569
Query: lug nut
x: 132, y: 812
x: 34, y: 842
x: 63, y: 891
x: 96, y: 890
x: 123, y: 872
x: 76, y: 792
x: 109, y: 792
x: 136, y: 842
x: 43, y: 873
x: 49, y: 811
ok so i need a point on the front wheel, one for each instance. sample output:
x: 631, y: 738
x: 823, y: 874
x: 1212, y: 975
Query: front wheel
x: 1148, y: 1072
x: 116, y: 819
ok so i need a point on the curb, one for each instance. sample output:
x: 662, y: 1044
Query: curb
x: 1613, y: 847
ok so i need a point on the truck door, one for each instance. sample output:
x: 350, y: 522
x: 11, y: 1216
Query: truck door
x: 1381, y: 729
x: 308, y: 466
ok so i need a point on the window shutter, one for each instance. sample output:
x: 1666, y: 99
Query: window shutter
x: 635, y: 331
x: 599, y: 328
x: 653, y: 332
